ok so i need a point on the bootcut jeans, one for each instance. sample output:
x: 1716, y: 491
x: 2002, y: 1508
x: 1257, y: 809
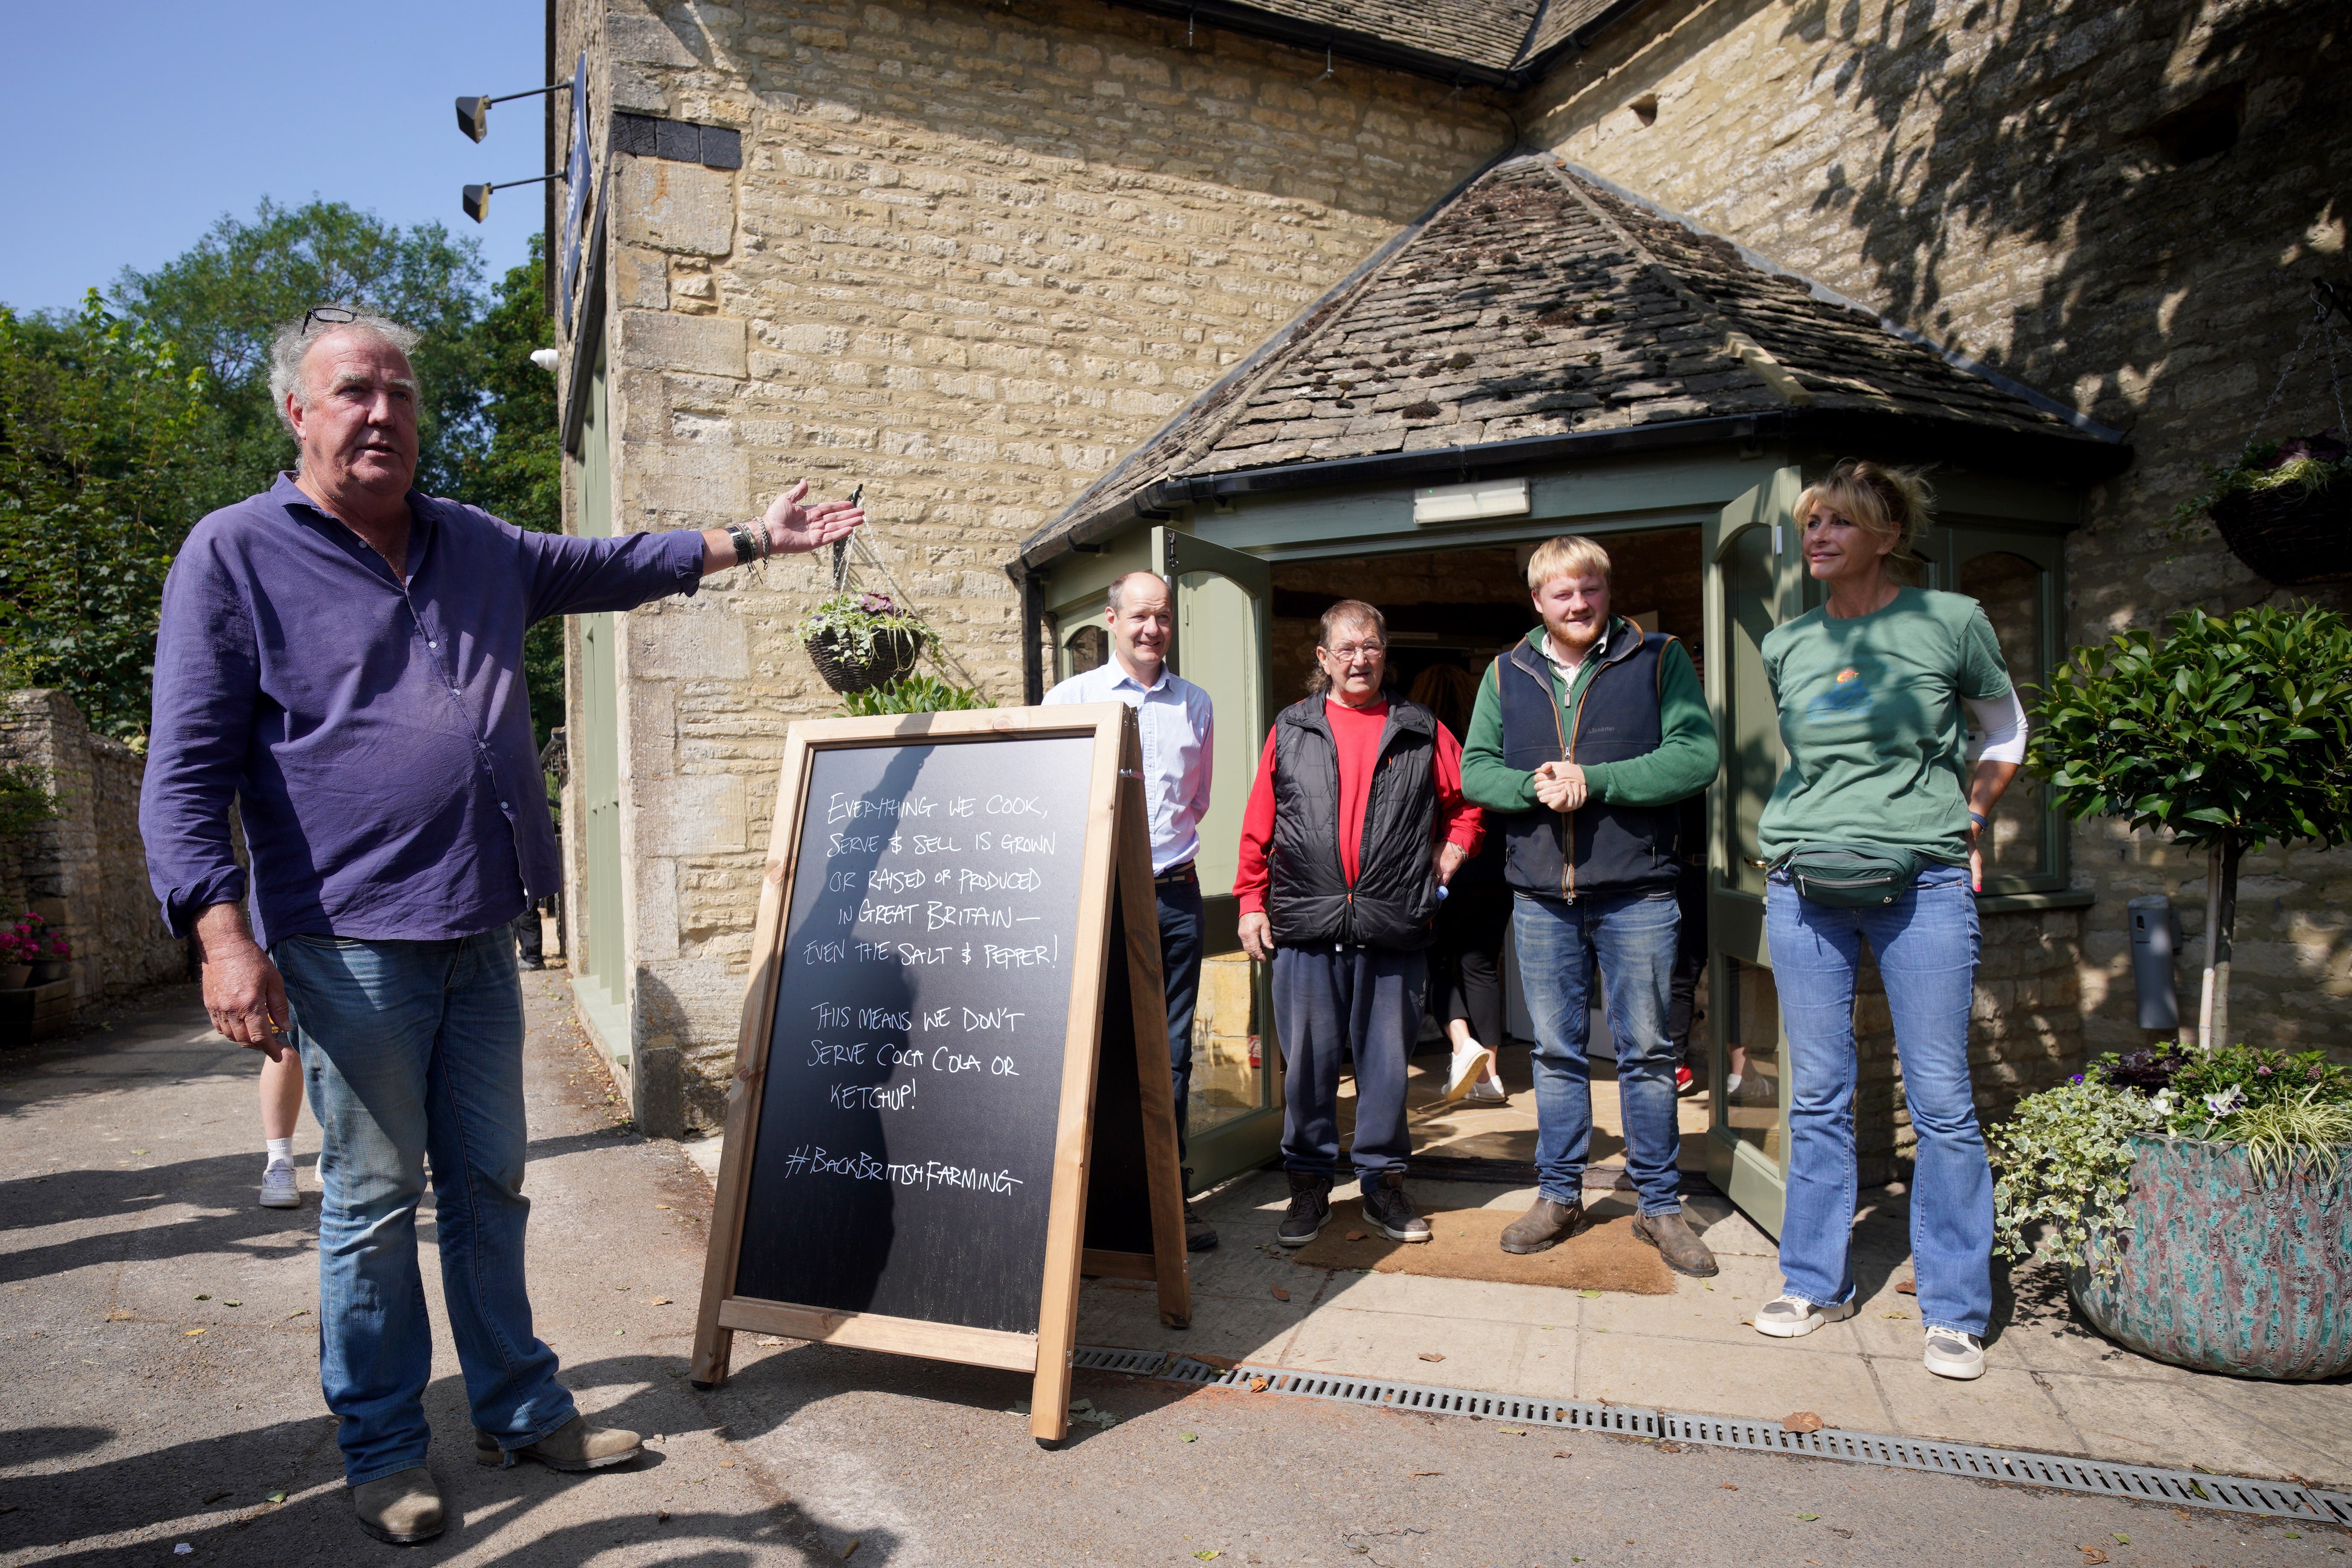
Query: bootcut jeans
x: 1926, y: 945
x: 413, y: 1052
x: 1629, y: 937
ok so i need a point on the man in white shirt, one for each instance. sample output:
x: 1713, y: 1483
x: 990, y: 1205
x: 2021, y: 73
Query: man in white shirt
x: 1177, y: 724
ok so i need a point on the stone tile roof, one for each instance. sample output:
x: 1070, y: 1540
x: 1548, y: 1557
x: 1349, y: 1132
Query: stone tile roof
x: 1488, y: 33
x: 1538, y: 303
x: 1505, y: 43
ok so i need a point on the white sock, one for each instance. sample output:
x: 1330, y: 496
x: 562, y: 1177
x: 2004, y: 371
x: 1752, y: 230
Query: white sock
x: 280, y: 1149
x: 1731, y: 1083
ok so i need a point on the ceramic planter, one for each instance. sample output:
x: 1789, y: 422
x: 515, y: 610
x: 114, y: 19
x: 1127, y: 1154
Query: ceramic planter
x: 2224, y: 1273
x: 15, y: 977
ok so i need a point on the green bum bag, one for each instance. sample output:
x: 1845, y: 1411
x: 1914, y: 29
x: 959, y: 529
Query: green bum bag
x: 1850, y: 876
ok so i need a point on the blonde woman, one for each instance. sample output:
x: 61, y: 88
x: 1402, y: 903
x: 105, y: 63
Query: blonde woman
x: 1871, y: 836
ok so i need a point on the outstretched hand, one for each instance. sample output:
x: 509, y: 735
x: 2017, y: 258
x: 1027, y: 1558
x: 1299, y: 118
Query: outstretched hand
x: 794, y: 528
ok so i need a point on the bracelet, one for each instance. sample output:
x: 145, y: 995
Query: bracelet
x: 747, y: 546
x: 1978, y: 818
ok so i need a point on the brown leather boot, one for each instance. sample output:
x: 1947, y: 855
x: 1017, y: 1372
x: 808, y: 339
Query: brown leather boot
x: 1545, y: 1225
x: 1677, y: 1243
x: 575, y: 1445
x: 403, y: 1508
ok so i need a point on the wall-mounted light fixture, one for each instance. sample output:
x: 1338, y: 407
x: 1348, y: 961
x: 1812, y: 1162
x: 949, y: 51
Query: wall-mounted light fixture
x: 474, y: 114
x: 478, y: 197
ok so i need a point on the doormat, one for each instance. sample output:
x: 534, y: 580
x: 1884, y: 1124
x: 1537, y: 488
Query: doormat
x: 1466, y: 1244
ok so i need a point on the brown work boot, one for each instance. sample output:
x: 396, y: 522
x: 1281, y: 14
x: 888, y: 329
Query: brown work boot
x: 1678, y: 1244
x: 1389, y: 1211
x: 575, y: 1445
x: 1310, y: 1209
x: 404, y: 1508
x: 1200, y: 1235
x: 1545, y: 1225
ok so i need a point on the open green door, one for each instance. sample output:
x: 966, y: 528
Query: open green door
x: 1225, y: 608
x: 1755, y: 580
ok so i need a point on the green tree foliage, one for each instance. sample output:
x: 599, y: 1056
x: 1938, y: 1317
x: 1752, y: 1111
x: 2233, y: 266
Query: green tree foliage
x: 221, y: 301
x: 101, y: 465
x: 2230, y: 733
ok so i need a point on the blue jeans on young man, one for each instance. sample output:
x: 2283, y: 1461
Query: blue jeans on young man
x: 1926, y: 946
x: 1629, y: 938
x: 410, y: 1052
x: 1180, y: 972
x: 1331, y: 1003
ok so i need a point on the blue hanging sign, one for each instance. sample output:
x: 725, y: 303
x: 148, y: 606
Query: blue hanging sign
x: 575, y: 178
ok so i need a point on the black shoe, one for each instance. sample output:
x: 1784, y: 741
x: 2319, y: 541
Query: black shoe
x: 1390, y: 1212
x: 1200, y: 1235
x: 1310, y: 1209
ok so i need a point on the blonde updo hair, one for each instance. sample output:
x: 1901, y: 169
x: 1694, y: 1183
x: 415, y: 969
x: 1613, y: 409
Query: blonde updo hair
x: 1890, y: 503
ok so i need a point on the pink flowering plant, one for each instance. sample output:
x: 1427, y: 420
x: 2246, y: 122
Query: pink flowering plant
x: 21, y: 941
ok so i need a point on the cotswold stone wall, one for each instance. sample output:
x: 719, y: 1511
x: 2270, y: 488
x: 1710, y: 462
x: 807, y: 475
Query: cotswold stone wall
x: 85, y: 870
x: 974, y: 254
x: 2120, y: 205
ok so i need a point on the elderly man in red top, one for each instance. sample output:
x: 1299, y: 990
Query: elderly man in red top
x: 1354, y: 828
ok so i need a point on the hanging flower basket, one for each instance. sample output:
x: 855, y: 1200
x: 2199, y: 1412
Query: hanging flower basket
x: 888, y: 655
x: 860, y: 641
x: 2289, y: 533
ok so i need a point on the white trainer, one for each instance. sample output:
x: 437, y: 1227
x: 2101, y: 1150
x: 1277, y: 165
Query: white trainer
x: 1489, y: 1090
x: 1951, y: 1354
x: 1786, y: 1317
x: 278, y: 1187
x: 1472, y: 1062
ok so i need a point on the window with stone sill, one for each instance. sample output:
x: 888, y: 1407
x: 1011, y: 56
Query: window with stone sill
x: 2016, y: 575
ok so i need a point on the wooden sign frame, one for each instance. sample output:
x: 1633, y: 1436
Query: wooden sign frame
x: 1116, y: 864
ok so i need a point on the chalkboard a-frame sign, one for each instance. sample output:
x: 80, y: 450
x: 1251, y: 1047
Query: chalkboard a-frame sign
x: 952, y: 1092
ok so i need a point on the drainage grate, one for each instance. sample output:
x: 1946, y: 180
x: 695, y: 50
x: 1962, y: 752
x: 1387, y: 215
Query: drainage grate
x: 2144, y: 1483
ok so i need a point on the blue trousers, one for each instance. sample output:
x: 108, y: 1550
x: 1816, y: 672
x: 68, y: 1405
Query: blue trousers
x: 1926, y: 945
x: 1180, y: 972
x: 410, y: 1052
x: 1330, y: 1003
x: 1630, y: 938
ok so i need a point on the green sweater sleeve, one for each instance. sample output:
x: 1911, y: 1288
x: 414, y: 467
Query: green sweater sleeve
x: 1686, y: 759
x: 1484, y: 778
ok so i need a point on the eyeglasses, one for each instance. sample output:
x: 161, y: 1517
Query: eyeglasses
x: 328, y: 316
x: 1348, y: 654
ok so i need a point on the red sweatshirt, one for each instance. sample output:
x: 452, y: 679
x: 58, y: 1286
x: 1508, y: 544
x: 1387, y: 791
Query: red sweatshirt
x: 1357, y: 731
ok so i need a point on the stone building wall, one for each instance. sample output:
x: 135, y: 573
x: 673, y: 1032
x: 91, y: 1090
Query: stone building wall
x: 974, y: 254
x: 2120, y: 205
x: 85, y: 870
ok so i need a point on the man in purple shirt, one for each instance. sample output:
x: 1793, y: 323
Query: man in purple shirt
x: 343, y: 656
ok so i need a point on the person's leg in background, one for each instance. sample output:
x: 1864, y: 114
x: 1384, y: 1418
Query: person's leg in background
x: 1470, y: 1059
x: 1690, y: 963
x: 1310, y: 1020
x: 1926, y: 945
x: 1634, y: 938
x: 1556, y: 969
x: 1815, y: 951
x: 531, y: 938
x: 1476, y: 1003
x: 1179, y: 970
x: 1386, y: 991
x: 281, y: 1107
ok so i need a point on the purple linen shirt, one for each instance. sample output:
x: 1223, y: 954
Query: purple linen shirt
x: 377, y: 739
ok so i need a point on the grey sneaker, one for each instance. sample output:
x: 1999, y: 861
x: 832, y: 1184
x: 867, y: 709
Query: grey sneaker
x: 402, y: 1509
x: 575, y: 1445
x: 1388, y: 1211
x: 1786, y: 1317
x: 278, y: 1187
x: 1310, y: 1209
x: 1951, y: 1354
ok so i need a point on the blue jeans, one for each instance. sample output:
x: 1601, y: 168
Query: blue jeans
x: 1631, y: 936
x: 1331, y: 1003
x: 410, y: 1052
x: 1179, y: 971
x: 1926, y: 945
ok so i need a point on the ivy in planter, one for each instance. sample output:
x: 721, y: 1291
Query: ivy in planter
x: 852, y: 622
x: 2303, y: 464
x: 912, y: 694
x: 2065, y: 1158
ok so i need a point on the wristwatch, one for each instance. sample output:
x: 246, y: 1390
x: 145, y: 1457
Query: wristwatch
x: 747, y: 544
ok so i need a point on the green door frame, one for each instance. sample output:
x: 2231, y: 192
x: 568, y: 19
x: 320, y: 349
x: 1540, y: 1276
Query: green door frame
x: 599, y: 979
x: 1229, y: 662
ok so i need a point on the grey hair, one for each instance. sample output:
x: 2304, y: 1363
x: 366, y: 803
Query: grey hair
x: 1122, y: 580
x: 292, y: 345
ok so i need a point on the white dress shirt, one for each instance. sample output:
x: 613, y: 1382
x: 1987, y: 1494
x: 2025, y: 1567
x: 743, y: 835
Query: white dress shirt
x: 1177, y: 725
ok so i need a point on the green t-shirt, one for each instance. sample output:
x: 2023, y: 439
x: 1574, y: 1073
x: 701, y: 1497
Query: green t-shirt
x: 1870, y: 711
